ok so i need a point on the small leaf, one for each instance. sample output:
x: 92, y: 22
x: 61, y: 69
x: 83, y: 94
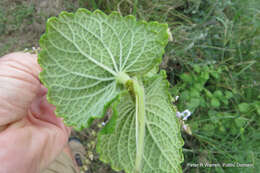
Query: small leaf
x: 243, y: 107
x: 225, y: 101
x: 199, y: 86
x: 257, y: 106
x: 196, y: 68
x: 186, y: 78
x: 240, y: 122
x: 185, y: 95
x: 258, y: 109
x: 218, y: 94
x: 214, y: 74
x: 222, y: 129
x: 163, y: 143
x: 215, y: 103
x: 194, y: 103
x: 208, y: 93
x: 205, y: 75
x: 228, y: 94
x: 194, y: 92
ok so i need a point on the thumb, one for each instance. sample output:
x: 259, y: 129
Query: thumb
x: 43, y: 110
x: 19, y: 85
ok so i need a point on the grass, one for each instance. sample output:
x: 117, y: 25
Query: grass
x: 212, y: 64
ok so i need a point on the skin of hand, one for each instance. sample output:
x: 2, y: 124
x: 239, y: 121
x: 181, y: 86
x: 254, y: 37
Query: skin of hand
x: 31, y: 136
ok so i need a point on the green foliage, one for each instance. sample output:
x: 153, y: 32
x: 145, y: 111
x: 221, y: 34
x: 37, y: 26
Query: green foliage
x: 13, y: 19
x: 89, y: 61
x: 94, y: 58
x: 243, y: 107
x: 197, y: 89
x: 214, y: 68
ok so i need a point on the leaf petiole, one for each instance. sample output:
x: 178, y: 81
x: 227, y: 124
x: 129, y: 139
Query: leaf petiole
x: 136, y: 89
x: 140, y: 124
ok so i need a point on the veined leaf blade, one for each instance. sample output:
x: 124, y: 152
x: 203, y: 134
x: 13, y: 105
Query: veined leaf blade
x: 163, y: 143
x: 82, y: 54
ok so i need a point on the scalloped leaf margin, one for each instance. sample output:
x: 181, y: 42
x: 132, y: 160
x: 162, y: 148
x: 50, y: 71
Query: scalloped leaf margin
x: 79, y: 121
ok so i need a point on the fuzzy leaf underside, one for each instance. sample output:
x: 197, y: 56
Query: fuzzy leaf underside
x: 82, y: 54
x: 163, y: 143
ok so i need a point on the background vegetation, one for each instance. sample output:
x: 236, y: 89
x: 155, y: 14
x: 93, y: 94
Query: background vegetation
x: 213, y: 65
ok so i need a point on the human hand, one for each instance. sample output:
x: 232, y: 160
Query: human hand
x: 31, y: 136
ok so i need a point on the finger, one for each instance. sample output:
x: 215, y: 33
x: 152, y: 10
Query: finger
x: 19, y: 85
x: 43, y: 110
x: 23, y: 61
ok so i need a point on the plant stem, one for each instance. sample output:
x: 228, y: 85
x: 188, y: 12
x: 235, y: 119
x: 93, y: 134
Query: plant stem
x: 136, y: 88
x: 94, y: 4
x: 140, y: 124
x: 135, y: 7
x: 122, y: 78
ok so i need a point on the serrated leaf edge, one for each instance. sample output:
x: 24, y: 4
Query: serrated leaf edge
x: 115, y: 116
x: 156, y: 61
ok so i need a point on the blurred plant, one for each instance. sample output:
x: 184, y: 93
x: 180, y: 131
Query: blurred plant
x: 213, y: 65
x: 218, y: 121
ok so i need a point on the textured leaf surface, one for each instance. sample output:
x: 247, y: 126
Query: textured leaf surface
x: 82, y: 53
x: 163, y: 143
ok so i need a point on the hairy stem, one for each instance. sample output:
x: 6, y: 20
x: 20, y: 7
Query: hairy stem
x: 140, y: 124
x: 136, y: 89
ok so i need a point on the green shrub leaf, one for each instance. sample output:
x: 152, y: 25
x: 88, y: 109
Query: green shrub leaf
x: 218, y: 94
x: 83, y: 53
x: 243, y: 107
x: 228, y: 94
x: 186, y: 78
x: 215, y: 103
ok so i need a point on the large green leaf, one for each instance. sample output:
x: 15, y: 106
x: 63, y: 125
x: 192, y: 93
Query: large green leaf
x: 83, y: 53
x: 162, y: 143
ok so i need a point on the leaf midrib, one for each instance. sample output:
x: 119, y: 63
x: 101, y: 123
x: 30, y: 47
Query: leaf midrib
x: 86, y: 55
x: 79, y: 74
